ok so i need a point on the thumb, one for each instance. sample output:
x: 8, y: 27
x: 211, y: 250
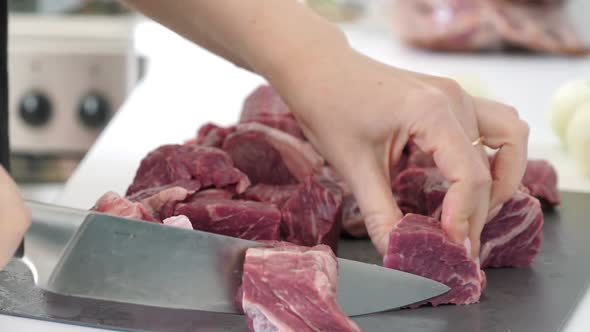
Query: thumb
x: 14, y: 217
x: 369, y: 181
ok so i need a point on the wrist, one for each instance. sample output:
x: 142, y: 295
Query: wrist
x: 283, y: 56
x: 307, y: 65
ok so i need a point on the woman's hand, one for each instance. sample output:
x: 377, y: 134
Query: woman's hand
x: 14, y: 218
x: 361, y: 113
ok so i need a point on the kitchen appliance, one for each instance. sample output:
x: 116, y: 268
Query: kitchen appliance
x: 98, y: 256
x: 68, y: 75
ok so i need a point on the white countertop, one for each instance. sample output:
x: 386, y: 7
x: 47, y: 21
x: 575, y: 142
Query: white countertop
x: 186, y: 86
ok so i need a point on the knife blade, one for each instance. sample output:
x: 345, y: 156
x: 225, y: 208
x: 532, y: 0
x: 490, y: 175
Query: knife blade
x: 102, y: 257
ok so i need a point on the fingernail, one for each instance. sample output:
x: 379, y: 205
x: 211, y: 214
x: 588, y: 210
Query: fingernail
x: 467, y: 244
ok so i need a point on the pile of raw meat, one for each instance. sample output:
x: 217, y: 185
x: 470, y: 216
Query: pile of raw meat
x: 472, y: 25
x: 261, y: 180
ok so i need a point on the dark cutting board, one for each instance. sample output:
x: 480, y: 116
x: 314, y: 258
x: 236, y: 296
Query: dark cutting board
x: 540, y: 298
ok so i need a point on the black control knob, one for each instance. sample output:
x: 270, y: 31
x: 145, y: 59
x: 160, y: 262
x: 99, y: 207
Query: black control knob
x: 35, y: 109
x: 94, y: 110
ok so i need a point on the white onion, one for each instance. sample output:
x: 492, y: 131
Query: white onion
x: 564, y: 104
x: 578, y: 137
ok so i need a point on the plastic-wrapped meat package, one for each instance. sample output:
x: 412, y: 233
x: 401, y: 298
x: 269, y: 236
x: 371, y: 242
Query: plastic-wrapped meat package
x: 538, y: 28
x: 473, y: 25
x: 446, y: 25
x: 538, y: 2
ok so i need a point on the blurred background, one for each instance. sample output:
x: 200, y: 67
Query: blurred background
x: 72, y: 64
x: 93, y: 76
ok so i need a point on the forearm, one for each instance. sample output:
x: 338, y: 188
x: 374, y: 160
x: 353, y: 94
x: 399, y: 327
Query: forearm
x: 268, y: 37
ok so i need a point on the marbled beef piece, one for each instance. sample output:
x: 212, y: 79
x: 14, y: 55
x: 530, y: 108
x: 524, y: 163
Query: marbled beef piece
x: 510, y: 238
x: 353, y: 221
x: 312, y: 214
x: 420, y: 191
x: 292, y: 288
x: 242, y: 219
x: 418, y: 245
x: 161, y: 201
x: 212, y: 135
x: 270, y: 156
x: 178, y: 221
x: 265, y: 106
x: 263, y: 100
x: 113, y: 204
x: 211, y: 167
x: 540, y: 178
x: 273, y: 194
x: 514, y: 236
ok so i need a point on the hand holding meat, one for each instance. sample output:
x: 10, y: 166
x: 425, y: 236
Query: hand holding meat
x: 360, y: 114
x: 14, y: 217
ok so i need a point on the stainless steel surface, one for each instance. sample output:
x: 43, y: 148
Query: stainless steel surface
x: 539, y: 298
x: 121, y: 260
x: 51, y: 229
x: 363, y: 290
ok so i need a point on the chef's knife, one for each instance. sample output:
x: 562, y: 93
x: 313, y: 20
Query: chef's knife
x: 98, y: 256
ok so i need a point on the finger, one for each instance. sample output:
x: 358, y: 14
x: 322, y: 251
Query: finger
x: 462, y: 165
x: 462, y: 105
x: 371, y: 187
x: 503, y: 130
x: 14, y: 218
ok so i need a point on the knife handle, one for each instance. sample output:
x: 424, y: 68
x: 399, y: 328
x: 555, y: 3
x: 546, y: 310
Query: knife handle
x: 20, y: 251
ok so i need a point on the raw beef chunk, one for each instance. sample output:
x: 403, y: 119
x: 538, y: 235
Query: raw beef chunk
x: 271, y: 156
x: 418, y: 245
x: 353, y: 221
x: 161, y: 201
x: 263, y: 100
x: 265, y: 106
x: 328, y: 173
x: 211, y: 167
x: 276, y: 195
x: 292, y: 288
x: 243, y: 219
x: 418, y: 158
x: 540, y: 178
x: 212, y: 135
x: 283, y: 122
x: 178, y: 221
x: 112, y: 203
x: 212, y: 193
x: 311, y: 216
x: 190, y: 186
x: 513, y: 237
x: 421, y: 191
